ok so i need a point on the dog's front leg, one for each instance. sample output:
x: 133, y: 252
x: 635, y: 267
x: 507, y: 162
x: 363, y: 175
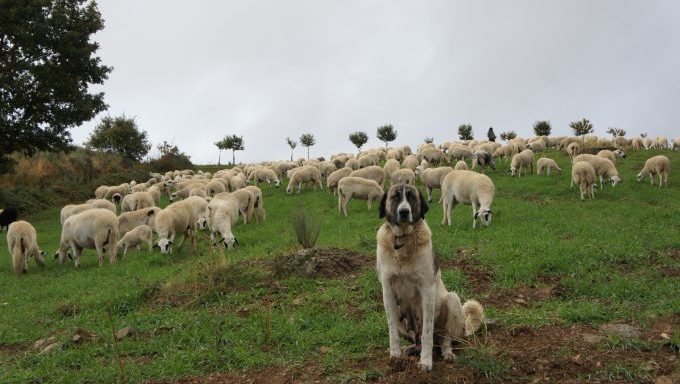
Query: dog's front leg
x: 390, y: 302
x: 427, y: 294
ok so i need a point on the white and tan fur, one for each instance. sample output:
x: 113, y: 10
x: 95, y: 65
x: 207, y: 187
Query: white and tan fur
x: 95, y: 228
x: 359, y: 188
x: 22, y: 241
x: 140, y: 234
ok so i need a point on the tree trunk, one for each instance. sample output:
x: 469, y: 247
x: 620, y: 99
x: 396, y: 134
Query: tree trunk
x: 233, y: 157
x: 386, y: 144
x: 291, y: 155
x: 307, y: 153
x: 219, y: 157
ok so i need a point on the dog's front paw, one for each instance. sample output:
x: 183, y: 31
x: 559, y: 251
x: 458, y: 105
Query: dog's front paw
x: 395, y: 352
x: 449, y: 356
x: 425, y: 365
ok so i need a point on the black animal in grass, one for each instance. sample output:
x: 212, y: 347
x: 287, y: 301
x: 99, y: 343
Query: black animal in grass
x: 7, y: 217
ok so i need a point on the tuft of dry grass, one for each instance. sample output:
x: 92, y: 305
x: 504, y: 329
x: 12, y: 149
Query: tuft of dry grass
x: 306, y: 229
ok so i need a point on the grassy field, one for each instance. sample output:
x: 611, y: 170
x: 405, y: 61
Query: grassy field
x: 549, y: 264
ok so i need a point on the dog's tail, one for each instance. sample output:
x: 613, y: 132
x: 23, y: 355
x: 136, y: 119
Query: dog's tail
x: 474, y: 316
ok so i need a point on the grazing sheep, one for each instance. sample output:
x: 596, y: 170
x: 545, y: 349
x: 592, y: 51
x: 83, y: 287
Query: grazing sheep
x: 305, y: 174
x: 259, y: 213
x: 120, y: 190
x: 141, y: 234
x: 432, y: 155
x: 676, y: 144
x: 334, y: 178
x: 170, y: 222
x: 73, y: 209
x: 352, y: 163
x: 390, y: 166
x: 522, y: 159
x: 395, y: 154
x: 94, y: 228
x: 368, y: 160
x: 573, y: 149
x: 137, y: 200
x: 223, y: 215
x: 611, y: 155
x: 503, y: 152
x: 410, y: 162
x: 468, y: 187
x: 22, y: 241
x: 461, y: 166
x: 327, y: 167
x: 657, y: 165
x: 403, y: 176
x: 432, y: 178
x: 130, y: 220
x: 156, y: 192
x: 604, y: 168
x: 214, y: 187
x: 246, y: 202
x: 199, y: 192
x: 237, y: 182
x: 636, y: 143
x: 100, y: 192
x: 483, y: 159
x: 537, y: 146
x: 373, y: 172
x: 265, y: 175
x: 661, y: 143
x: 286, y: 166
x: 357, y: 187
x: 459, y: 152
x: 7, y: 217
x: 583, y: 174
x: 647, y: 143
x: 138, y: 188
x: 548, y: 165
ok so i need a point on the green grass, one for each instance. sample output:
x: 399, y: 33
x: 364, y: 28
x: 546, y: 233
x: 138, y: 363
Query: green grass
x: 608, y: 256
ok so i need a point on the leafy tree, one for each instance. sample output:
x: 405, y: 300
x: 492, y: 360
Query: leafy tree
x: 507, y: 136
x: 292, y: 144
x: 616, y: 132
x: 429, y: 140
x: 307, y: 140
x: 465, y: 132
x: 386, y: 133
x: 121, y: 135
x: 582, y: 127
x: 220, y: 145
x: 542, y: 128
x: 233, y: 142
x: 171, y: 158
x: 358, y: 138
x: 47, y: 65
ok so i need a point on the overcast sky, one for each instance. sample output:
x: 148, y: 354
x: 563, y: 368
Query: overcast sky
x: 193, y: 71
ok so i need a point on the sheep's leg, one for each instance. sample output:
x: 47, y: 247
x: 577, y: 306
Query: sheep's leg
x: 25, y: 257
x: 601, y: 182
x: 125, y: 251
x: 77, y: 251
x: 344, y: 203
x: 370, y: 200
x: 429, y: 194
x: 474, y: 211
x: 340, y: 202
x: 444, y: 199
x: 100, y: 253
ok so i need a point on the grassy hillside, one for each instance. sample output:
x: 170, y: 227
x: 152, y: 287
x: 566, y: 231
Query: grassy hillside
x: 547, y: 260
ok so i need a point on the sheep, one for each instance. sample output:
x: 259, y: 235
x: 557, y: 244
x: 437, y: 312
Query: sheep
x: 636, y: 143
x: 522, y: 159
x: 156, y: 192
x: 334, y: 178
x: 265, y: 174
x: 373, y: 172
x: 352, y: 163
x: 7, y: 217
x: 180, y: 218
x: 246, y: 202
x: 120, y: 190
x: 304, y: 174
x: 94, y: 228
x: 537, y: 146
x: 137, y: 200
x: 286, y: 166
x: 73, y: 209
x: 647, y: 143
x: 223, y: 214
x: 100, y: 192
x: 357, y: 187
x: 432, y: 155
x: 482, y: 158
x: 583, y: 174
x: 395, y: 154
x: 133, y: 238
x: 660, y: 143
x: 410, y: 162
x: 199, y: 192
x: 237, y: 182
x: 368, y: 160
x: 676, y: 144
x: 611, y: 155
x: 214, y: 187
x: 657, y: 165
x: 327, y: 168
x: 502, y: 152
x: 390, y: 166
x: 129, y: 220
x: 461, y: 166
x: 457, y: 151
x: 468, y: 187
x: 548, y: 165
x: 259, y: 213
x: 403, y: 176
x: 138, y: 188
x: 573, y: 149
x: 22, y: 241
x: 604, y: 168
x: 432, y: 178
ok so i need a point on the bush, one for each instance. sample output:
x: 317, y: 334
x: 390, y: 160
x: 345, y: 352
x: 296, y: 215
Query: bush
x: 306, y: 229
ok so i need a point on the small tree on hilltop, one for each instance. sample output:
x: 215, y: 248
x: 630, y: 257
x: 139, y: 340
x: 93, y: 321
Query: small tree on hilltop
x: 386, y: 134
x: 120, y: 135
x: 171, y: 158
x: 582, y: 128
x: 358, y: 138
x: 307, y: 140
x: 465, y: 132
x: 429, y: 140
x: 616, y: 132
x: 292, y: 144
x: 542, y: 128
x: 509, y: 135
x: 233, y: 142
x: 221, y: 146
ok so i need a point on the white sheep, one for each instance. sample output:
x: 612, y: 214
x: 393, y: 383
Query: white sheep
x: 583, y: 174
x: 522, y: 159
x: 327, y: 167
x: 403, y: 176
x: 410, y: 162
x: 137, y: 200
x: 259, y: 213
x: 611, y: 155
x: 94, y: 228
x: 245, y: 199
x: 373, y: 172
x: 657, y: 165
x: 223, y: 215
x: 334, y: 178
x: 461, y: 165
x: 433, y: 155
x: 390, y: 166
x: 661, y: 143
x: 432, y: 178
x: 483, y: 159
x: 647, y: 143
x: 140, y: 234
x: 548, y: 165
x: 304, y: 174
x: 237, y: 182
x: 174, y: 220
x: 156, y: 192
x: 73, y: 209
x: 604, y: 168
x: 214, y: 187
x: 468, y: 187
x: 357, y: 187
x: 129, y: 220
x: 676, y: 144
x: 537, y: 146
x: 573, y: 149
x: 22, y: 241
x: 267, y: 175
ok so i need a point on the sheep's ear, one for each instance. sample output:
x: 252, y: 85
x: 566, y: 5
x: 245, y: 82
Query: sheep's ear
x: 236, y: 241
x: 56, y: 254
x: 169, y: 242
x: 43, y: 253
x: 156, y: 245
x: 491, y: 212
x: 476, y: 214
x: 423, y: 205
x: 383, y: 202
x: 69, y: 256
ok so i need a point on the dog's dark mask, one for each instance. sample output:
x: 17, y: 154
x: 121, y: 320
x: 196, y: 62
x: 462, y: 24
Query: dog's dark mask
x: 394, y: 196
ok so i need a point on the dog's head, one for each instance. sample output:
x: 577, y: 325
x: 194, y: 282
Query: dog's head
x: 403, y: 204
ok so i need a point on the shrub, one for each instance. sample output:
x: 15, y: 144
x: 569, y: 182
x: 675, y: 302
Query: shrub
x: 306, y: 229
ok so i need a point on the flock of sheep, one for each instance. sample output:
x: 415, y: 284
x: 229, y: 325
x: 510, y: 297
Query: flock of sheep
x: 127, y: 215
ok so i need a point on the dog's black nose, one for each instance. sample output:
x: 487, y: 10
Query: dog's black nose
x: 403, y: 213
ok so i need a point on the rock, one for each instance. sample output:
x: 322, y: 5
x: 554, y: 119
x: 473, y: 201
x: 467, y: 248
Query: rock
x: 125, y: 332
x: 623, y: 330
x: 42, y: 343
x: 664, y: 380
x: 520, y: 301
x: 53, y: 346
x: 591, y: 338
x: 84, y: 335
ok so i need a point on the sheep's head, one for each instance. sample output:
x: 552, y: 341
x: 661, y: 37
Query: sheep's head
x: 512, y: 171
x: 615, y: 180
x: 173, y: 196
x: 639, y: 176
x: 484, y: 215
x: 202, y: 222
x: 619, y: 153
x: 164, y: 244
x: 277, y: 183
x: 559, y: 170
x: 289, y: 190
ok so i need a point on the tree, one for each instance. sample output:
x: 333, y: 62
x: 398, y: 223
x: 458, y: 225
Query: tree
x: 465, y: 132
x: 171, y: 158
x: 121, y: 135
x: 542, y: 128
x: 307, y: 140
x: 616, y: 132
x: 358, y: 138
x: 292, y: 144
x: 581, y: 127
x: 233, y: 142
x: 509, y: 135
x: 429, y: 140
x: 386, y: 133
x: 47, y: 67
x: 220, y: 145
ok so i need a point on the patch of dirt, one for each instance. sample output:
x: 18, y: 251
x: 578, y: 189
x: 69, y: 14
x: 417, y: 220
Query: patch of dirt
x: 478, y: 277
x: 14, y: 348
x: 536, y: 198
x: 522, y: 295
x: 326, y: 262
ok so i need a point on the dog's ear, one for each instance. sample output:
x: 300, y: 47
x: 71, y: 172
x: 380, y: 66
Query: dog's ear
x: 423, y: 205
x: 383, y: 202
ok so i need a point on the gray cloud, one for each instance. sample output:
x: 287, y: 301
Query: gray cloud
x: 194, y: 71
